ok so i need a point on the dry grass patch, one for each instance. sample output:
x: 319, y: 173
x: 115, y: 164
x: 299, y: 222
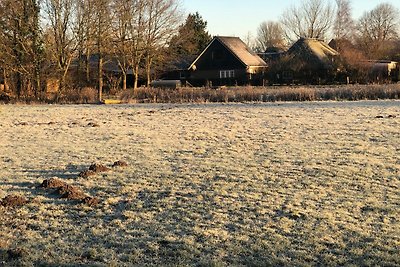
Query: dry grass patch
x: 263, y: 94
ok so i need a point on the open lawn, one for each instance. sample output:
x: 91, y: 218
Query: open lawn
x: 209, y: 185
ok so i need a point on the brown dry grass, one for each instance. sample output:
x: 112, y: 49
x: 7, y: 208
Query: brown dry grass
x: 263, y: 94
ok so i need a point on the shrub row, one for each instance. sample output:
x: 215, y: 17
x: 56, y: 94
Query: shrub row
x: 262, y: 94
x: 225, y: 95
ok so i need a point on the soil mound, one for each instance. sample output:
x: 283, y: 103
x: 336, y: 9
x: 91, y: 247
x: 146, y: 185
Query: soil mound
x: 91, y: 201
x: 98, y: 168
x: 93, y: 124
x: 120, y: 163
x: 87, y: 173
x: 16, y: 253
x: 71, y: 192
x: 13, y: 201
x: 53, y: 183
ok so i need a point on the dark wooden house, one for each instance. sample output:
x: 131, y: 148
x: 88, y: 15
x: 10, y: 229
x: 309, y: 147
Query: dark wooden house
x: 227, y: 61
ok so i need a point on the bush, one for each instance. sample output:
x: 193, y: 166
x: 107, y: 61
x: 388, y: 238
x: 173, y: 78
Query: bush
x: 4, y: 98
x: 88, y: 95
x: 85, y: 95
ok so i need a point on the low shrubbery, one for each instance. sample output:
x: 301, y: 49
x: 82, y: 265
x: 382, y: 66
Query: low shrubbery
x: 89, y: 95
x: 262, y: 94
x: 85, y: 95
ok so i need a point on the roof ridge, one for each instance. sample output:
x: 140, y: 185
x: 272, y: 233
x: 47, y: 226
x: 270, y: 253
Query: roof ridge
x: 246, y: 56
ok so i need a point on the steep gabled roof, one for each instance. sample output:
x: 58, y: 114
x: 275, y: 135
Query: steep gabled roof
x: 239, y: 49
x: 317, y: 48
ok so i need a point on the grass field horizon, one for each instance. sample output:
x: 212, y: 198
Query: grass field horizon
x: 259, y: 184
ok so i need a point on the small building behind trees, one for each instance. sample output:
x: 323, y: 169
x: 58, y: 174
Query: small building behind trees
x: 359, y: 66
x: 382, y: 71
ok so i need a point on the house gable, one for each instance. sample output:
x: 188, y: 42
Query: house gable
x: 226, y: 61
x: 217, y: 57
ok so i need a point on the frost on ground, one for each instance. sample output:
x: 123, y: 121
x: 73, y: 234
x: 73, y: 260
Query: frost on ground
x: 212, y: 185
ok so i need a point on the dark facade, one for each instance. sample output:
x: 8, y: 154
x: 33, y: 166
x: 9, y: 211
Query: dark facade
x: 226, y: 61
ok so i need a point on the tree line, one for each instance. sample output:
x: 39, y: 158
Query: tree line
x: 62, y: 39
x: 376, y: 34
x: 44, y: 38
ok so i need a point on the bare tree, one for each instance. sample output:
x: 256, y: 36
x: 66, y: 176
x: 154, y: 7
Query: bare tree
x: 377, y: 28
x: 343, y: 27
x: 59, y: 15
x: 250, y: 41
x: 84, y: 26
x: 5, y: 47
x: 21, y: 45
x: 121, y: 43
x: 163, y: 19
x: 312, y: 19
x: 270, y: 34
x: 137, y: 27
x: 102, y: 19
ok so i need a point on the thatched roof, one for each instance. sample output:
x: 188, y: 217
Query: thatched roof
x: 239, y: 49
x: 313, y: 50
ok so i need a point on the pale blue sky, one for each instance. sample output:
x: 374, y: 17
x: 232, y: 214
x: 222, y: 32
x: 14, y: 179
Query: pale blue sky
x: 238, y: 17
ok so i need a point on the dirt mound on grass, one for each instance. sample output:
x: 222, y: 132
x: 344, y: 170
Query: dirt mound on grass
x: 120, y: 163
x: 87, y: 173
x: 71, y: 192
x: 98, y: 168
x: 93, y: 170
x: 91, y: 201
x: 13, y: 201
x: 16, y: 253
x: 53, y: 183
x: 93, y: 124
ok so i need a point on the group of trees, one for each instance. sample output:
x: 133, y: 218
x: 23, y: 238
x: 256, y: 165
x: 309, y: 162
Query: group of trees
x: 21, y: 45
x: 376, y: 33
x: 62, y: 39
x: 44, y: 38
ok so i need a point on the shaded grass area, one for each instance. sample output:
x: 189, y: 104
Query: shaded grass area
x: 263, y: 94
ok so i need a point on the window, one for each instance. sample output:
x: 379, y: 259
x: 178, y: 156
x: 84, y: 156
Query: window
x: 224, y: 74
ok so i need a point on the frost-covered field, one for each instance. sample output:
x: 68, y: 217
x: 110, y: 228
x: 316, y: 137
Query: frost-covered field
x: 243, y: 184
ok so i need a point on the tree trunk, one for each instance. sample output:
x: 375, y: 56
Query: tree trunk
x: 5, y: 80
x: 19, y: 85
x: 79, y: 66
x: 135, y: 83
x: 149, y: 61
x: 38, y: 85
x: 100, y: 77
x: 87, y: 66
x: 124, y: 80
